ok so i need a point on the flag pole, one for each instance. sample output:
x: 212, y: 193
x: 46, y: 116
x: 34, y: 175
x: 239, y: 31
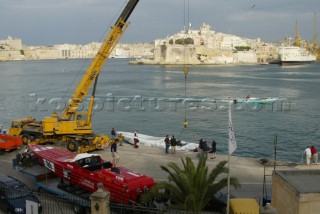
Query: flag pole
x: 232, y: 146
x: 228, y: 186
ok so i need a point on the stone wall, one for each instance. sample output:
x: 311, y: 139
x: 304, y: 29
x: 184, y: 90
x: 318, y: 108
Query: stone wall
x: 309, y: 203
x: 284, y: 197
x: 12, y: 55
x: 11, y: 44
x: 245, y: 57
x: 176, y: 54
x: 287, y: 200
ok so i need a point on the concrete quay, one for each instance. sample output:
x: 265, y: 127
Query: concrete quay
x: 250, y: 171
x: 147, y: 160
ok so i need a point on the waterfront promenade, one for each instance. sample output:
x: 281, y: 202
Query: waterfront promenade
x: 249, y: 171
x: 147, y: 160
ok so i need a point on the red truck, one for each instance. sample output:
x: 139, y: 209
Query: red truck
x: 8, y: 143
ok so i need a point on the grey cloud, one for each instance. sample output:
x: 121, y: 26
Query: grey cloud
x: 44, y: 22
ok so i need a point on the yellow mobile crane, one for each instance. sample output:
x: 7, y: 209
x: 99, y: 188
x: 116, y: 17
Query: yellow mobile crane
x: 72, y: 127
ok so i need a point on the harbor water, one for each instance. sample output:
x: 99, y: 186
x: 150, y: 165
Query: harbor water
x: 156, y: 100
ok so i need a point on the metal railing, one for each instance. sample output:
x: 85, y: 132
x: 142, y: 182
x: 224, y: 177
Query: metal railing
x: 53, y: 204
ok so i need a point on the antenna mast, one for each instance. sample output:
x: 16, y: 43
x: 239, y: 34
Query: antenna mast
x: 297, y: 43
x: 315, y: 32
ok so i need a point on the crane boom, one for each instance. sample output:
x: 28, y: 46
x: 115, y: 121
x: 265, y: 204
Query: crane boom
x: 102, y: 55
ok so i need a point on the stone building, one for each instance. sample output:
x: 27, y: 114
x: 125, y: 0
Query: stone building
x: 11, y: 48
x: 192, y: 47
x: 11, y: 44
x: 296, y: 191
x: 203, y: 46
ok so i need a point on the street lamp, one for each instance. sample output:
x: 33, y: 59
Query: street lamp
x: 275, y: 151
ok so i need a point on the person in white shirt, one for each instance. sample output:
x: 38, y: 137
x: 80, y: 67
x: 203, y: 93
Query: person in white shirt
x: 308, y: 155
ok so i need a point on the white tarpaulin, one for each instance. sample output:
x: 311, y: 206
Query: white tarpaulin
x: 152, y: 141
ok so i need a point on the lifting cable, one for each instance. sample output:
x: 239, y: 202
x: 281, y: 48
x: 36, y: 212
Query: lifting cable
x: 185, y: 123
x: 187, y: 28
x: 185, y: 68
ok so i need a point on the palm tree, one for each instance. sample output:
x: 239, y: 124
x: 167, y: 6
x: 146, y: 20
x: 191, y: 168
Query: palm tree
x: 190, y: 188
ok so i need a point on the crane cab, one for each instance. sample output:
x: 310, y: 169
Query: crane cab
x: 77, y: 125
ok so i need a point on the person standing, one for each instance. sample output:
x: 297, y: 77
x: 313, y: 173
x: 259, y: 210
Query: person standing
x: 173, y: 143
x: 115, y: 154
x: 135, y: 140
x: 213, y: 149
x: 203, y: 146
x: 200, y: 145
x: 114, y: 136
x: 167, y: 144
x: 314, y: 154
x: 308, y: 155
x: 113, y: 133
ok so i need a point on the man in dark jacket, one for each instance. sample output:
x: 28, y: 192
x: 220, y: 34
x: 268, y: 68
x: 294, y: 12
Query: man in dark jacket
x: 213, y: 149
x: 173, y: 143
x: 167, y: 144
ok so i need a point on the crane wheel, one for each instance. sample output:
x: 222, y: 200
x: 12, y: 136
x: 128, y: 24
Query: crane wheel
x: 72, y: 146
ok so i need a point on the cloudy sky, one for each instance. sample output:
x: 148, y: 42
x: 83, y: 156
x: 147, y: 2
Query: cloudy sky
x: 47, y: 22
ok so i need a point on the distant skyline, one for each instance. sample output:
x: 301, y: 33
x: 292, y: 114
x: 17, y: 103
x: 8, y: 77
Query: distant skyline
x: 43, y: 22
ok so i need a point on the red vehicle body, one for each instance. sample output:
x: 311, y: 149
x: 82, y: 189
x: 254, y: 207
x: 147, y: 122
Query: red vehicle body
x: 8, y: 143
x: 87, y: 170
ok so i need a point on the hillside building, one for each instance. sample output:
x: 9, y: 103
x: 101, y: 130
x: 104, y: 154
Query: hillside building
x: 205, y: 46
x: 11, y: 49
x: 194, y: 47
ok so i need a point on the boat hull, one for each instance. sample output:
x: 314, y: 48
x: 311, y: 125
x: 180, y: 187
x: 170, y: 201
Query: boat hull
x: 288, y: 63
x: 292, y: 55
x: 124, y: 185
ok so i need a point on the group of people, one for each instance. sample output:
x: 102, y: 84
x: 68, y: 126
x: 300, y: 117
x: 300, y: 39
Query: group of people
x: 204, y: 148
x: 170, y: 142
x: 311, y: 152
